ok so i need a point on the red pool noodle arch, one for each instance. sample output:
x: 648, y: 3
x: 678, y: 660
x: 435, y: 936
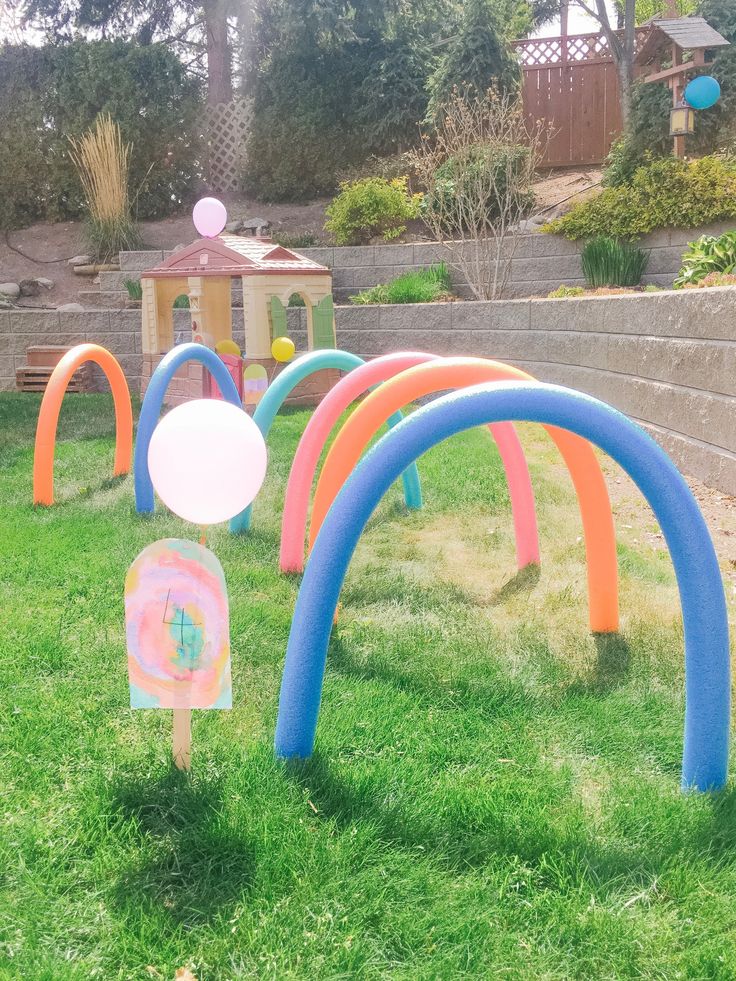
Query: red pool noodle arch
x: 48, y: 416
x: 426, y: 379
x: 353, y: 385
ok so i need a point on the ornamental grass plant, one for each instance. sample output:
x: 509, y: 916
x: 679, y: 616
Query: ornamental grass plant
x: 102, y: 161
x: 610, y: 262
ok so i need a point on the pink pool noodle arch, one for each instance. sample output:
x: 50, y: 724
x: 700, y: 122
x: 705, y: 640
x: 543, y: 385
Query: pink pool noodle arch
x: 324, y: 418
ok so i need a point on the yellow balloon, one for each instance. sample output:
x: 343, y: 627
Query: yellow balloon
x: 228, y: 347
x: 283, y: 349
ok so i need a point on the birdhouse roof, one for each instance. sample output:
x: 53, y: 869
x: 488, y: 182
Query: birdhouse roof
x: 235, y: 255
x: 688, y: 33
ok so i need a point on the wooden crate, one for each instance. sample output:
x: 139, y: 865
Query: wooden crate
x: 34, y: 378
x: 45, y: 355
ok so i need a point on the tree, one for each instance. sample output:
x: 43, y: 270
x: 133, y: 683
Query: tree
x: 196, y: 30
x: 622, y: 48
x: 477, y: 59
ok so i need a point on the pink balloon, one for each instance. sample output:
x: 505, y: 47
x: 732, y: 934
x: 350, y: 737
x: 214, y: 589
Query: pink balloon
x: 207, y: 460
x: 209, y: 217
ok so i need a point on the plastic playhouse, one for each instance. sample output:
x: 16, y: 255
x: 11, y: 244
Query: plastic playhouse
x: 268, y: 274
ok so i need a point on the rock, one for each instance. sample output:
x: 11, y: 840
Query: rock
x: 179, y: 247
x: 80, y: 260
x: 30, y: 287
x: 255, y: 226
x: 48, y: 284
x: 6, y: 304
x: 539, y: 219
x: 526, y: 226
x: 233, y: 227
x: 71, y: 308
x: 10, y: 289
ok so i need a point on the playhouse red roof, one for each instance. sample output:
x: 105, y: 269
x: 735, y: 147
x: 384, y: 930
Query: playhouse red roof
x: 235, y: 255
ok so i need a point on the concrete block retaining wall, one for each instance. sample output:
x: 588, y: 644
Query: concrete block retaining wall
x: 540, y: 263
x: 666, y: 359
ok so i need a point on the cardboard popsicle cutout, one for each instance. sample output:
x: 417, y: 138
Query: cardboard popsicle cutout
x: 178, y: 634
x: 255, y: 383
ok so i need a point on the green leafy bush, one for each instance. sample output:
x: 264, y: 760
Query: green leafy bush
x: 49, y: 94
x: 423, y: 286
x: 471, y: 176
x: 609, y: 262
x: 371, y: 207
x: 667, y: 193
x: 565, y: 292
x: 709, y: 254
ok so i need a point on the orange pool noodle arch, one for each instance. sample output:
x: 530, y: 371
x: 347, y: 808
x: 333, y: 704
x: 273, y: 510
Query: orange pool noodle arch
x: 48, y: 416
x: 450, y: 373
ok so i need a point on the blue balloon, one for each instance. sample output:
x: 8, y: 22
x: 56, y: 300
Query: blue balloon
x: 703, y: 92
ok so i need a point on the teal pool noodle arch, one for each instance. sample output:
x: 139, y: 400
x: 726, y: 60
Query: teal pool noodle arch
x: 280, y: 389
x: 151, y: 409
x: 707, y: 665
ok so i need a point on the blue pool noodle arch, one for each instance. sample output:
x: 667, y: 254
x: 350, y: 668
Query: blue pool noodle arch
x: 151, y: 409
x: 280, y: 389
x: 707, y: 667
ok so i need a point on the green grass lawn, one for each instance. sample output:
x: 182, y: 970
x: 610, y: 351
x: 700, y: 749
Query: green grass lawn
x: 494, y: 793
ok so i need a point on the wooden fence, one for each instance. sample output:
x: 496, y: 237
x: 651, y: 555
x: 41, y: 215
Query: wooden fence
x: 570, y: 83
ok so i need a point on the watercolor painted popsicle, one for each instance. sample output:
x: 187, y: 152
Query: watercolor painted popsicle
x: 178, y: 633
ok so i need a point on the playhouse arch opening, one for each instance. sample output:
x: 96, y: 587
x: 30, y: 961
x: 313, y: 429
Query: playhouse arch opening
x: 48, y: 416
x: 437, y: 376
x: 153, y: 401
x: 707, y: 663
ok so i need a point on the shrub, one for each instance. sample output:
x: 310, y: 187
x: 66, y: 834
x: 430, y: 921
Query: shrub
x: 647, y: 138
x: 423, y: 286
x: 608, y: 262
x: 494, y: 169
x: 295, y: 240
x: 477, y: 168
x: 564, y: 292
x: 397, y: 165
x: 305, y: 130
x: 667, y: 193
x: 103, y: 164
x: 709, y: 254
x: 371, y: 207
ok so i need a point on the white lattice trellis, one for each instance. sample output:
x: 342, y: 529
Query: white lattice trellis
x: 227, y: 131
x: 542, y: 51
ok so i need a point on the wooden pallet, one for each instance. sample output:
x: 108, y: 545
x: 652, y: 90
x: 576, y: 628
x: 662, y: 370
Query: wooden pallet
x: 34, y: 378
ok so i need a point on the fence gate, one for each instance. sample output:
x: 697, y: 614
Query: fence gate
x: 571, y: 83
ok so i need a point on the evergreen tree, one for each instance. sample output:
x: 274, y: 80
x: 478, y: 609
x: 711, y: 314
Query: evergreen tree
x: 477, y: 58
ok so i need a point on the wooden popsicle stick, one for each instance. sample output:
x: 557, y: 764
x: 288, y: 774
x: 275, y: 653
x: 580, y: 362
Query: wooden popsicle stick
x: 203, y: 534
x: 182, y: 738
